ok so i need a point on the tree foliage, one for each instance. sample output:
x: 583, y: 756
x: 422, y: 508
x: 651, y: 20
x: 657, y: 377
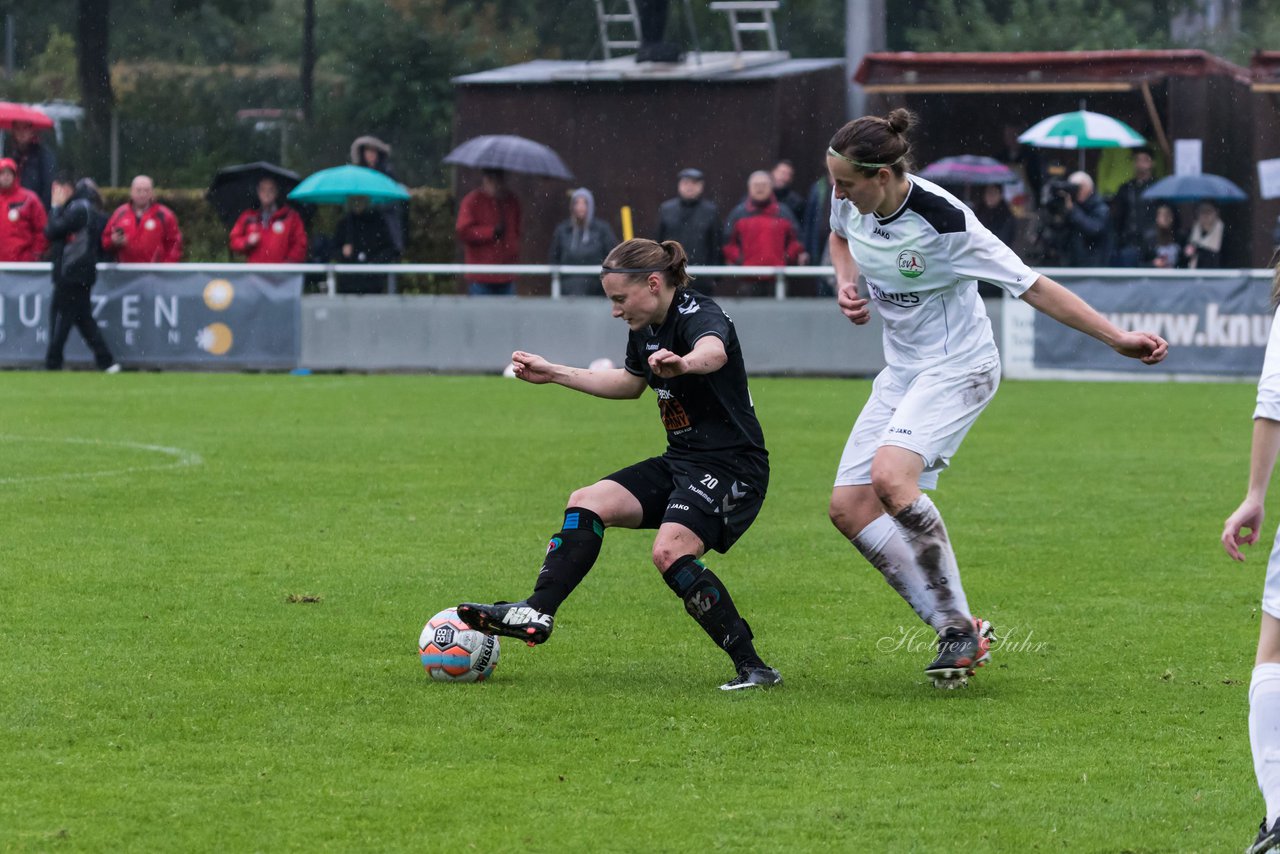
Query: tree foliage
x: 1003, y: 25
x: 183, y: 69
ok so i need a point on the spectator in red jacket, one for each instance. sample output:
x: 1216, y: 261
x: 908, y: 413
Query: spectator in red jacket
x: 143, y: 231
x: 761, y: 233
x: 22, y: 218
x: 489, y: 228
x: 271, y: 233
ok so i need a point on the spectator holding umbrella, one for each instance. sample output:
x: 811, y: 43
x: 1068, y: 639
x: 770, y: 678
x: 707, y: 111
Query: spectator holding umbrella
x: 1162, y: 243
x: 36, y: 162
x: 363, y: 237
x: 22, y: 218
x: 1204, y: 246
x: 271, y: 232
x: 143, y: 231
x: 372, y: 153
x: 488, y: 227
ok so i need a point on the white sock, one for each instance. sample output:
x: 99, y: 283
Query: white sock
x: 882, y: 545
x: 1264, y: 734
x: 926, y: 536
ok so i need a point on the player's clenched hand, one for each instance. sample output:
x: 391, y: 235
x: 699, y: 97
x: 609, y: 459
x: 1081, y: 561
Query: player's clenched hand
x: 531, y: 368
x: 666, y: 364
x: 1247, y: 515
x: 1145, y: 346
x: 853, y: 306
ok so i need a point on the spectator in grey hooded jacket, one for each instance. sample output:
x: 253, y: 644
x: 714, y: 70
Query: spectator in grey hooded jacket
x: 581, y: 239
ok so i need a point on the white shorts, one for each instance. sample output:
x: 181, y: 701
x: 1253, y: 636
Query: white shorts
x: 930, y: 415
x: 1271, y: 589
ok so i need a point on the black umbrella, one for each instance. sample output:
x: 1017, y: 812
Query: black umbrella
x: 235, y: 188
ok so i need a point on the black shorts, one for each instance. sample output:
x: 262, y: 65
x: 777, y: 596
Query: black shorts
x: 708, y: 498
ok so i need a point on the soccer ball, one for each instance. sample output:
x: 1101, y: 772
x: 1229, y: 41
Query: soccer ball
x: 451, y: 651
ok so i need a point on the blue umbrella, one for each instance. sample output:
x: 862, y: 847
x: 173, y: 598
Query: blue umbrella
x: 1195, y: 188
x: 334, y: 186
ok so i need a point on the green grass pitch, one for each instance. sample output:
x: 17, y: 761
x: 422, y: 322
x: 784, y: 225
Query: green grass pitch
x: 159, y: 691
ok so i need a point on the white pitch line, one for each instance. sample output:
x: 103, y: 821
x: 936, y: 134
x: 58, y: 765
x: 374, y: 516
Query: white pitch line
x: 180, y: 458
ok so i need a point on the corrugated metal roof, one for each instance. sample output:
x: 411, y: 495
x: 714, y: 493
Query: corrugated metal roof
x: 718, y: 66
x: 1059, y: 70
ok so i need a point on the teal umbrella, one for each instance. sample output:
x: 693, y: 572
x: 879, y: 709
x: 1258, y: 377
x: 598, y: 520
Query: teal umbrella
x: 334, y: 186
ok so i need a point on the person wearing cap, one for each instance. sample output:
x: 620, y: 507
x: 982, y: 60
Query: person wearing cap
x: 36, y: 161
x: 694, y: 222
x: 22, y: 218
x: 143, y: 231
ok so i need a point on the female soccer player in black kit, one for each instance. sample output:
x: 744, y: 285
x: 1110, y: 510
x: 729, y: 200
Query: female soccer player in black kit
x: 704, y: 492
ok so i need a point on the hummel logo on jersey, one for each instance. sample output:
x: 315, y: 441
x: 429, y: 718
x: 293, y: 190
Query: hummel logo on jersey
x: 522, y: 616
x: 650, y: 346
x: 880, y: 232
x: 690, y: 307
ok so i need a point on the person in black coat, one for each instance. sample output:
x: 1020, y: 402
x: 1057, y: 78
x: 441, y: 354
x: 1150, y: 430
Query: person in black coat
x: 694, y: 222
x: 37, y: 163
x: 372, y: 153
x: 363, y: 236
x: 74, y: 230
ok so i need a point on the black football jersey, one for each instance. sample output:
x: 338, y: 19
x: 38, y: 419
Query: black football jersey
x: 705, y: 414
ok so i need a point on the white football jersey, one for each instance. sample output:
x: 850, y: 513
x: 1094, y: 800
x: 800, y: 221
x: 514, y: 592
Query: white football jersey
x: 1269, y: 383
x: 922, y: 264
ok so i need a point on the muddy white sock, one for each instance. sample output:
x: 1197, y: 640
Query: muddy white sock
x: 881, y: 543
x: 926, y: 537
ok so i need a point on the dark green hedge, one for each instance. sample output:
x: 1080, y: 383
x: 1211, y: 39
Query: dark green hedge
x: 430, y: 237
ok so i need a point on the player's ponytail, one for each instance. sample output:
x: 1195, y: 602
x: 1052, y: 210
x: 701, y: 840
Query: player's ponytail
x: 872, y: 143
x: 640, y: 257
x: 1275, y: 279
x: 677, y: 271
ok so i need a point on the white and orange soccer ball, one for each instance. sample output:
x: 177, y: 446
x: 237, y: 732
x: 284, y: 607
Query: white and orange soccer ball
x: 451, y: 651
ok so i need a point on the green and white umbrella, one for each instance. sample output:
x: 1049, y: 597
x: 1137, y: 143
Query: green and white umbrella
x: 1081, y: 129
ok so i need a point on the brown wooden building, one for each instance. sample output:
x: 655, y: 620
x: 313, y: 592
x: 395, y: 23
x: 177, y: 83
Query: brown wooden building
x: 976, y: 103
x: 625, y: 129
x: 1265, y: 68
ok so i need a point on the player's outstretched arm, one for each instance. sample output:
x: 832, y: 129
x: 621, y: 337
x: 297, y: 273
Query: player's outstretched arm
x: 1248, y: 516
x: 706, y: 357
x: 614, y: 383
x: 1047, y: 296
x: 852, y: 305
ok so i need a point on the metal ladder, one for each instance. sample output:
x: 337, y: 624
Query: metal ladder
x: 605, y: 18
x: 765, y: 8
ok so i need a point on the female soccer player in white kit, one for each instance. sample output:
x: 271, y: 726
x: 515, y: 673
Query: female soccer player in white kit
x: 1264, y: 687
x: 921, y: 253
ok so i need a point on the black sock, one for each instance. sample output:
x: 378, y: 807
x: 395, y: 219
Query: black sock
x: 707, y: 600
x: 570, y: 556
